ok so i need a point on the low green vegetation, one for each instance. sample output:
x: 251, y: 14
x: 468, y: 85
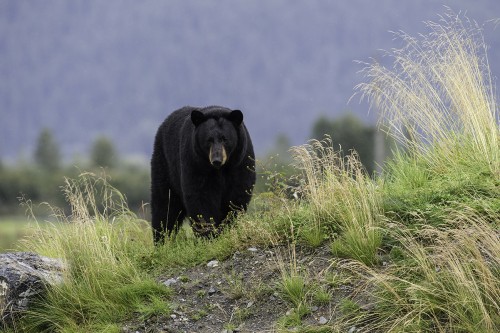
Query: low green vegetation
x: 342, y: 198
x: 11, y: 230
x: 419, y: 245
x: 40, y: 179
x: 100, y: 243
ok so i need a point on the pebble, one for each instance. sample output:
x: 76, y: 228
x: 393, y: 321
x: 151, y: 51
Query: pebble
x: 252, y: 249
x: 352, y: 329
x: 169, y: 282
x: 212, y: 291
x: 213, y: 263
x: 322, y: 321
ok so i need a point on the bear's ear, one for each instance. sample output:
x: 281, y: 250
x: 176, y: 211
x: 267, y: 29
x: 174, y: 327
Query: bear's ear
x: 197, y: 117
x: 236, y: 116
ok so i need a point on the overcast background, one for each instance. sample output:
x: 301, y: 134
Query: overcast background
x: 118, y: 68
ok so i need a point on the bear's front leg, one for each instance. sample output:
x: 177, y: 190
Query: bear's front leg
x: 167, y: 213
x: 203, y: 209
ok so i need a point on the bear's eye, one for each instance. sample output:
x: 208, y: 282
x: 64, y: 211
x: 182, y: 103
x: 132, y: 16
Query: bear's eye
x: 223, y: 138
x: 211, y: 140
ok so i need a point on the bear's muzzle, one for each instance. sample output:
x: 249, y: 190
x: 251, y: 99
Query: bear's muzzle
x: 217, y: 155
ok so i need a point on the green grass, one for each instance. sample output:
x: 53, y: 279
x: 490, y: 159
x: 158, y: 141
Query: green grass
x: 100, y: 245
x: 432, y: 217
x: 12, y: 229
x: 293, y: 289
x: 343, y: 199
x: 449, y: 286
x: 441, y: 196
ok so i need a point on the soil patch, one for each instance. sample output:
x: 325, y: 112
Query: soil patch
x: 242, y: 294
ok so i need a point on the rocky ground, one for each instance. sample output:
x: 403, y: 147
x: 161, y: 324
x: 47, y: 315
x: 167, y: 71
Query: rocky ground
x: 241, y: 294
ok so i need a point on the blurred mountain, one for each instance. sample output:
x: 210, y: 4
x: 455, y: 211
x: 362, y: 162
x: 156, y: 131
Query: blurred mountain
x: 87, y: 68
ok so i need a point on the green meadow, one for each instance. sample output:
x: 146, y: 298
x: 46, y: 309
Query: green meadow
x: 13, y: 229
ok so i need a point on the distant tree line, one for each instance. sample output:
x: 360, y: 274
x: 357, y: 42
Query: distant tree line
x: 48, y: 158
x: 348, y: 133
x: 41, y: 180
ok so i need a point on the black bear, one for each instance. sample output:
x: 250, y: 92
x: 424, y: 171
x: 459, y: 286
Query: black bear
x: 203, y: 167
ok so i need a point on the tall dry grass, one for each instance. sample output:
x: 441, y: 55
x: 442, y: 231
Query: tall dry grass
x: 101, y: 244
x: 449, y: 285
x: 439, y: 94
x: 342, y: 197
x: 439, y: 101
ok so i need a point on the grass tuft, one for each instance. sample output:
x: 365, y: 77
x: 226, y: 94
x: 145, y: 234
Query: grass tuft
x: 99, y: 244
x: 438, y: 99
x: 450, y: 285
x: 342, y: 197
x: 441, y: 195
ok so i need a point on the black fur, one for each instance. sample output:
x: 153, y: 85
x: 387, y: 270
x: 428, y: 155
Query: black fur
x: 188, y: 173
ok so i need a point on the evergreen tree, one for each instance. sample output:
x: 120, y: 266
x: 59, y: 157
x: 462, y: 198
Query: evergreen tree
x: 47, y: 155
x: 103, y: 153
x: 349, y: 133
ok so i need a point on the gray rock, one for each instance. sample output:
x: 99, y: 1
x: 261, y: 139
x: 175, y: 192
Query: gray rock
x: 213, y: 263
x: 170, y: 282
x: 24, y: 276
x: 322, y: 320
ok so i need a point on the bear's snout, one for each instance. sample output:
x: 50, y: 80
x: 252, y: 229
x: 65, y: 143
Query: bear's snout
x: 217, y: 155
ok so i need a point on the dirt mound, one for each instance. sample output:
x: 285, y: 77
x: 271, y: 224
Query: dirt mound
x: 242, y: 294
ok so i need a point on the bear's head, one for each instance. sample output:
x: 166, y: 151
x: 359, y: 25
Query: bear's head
x: 216, y: 134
